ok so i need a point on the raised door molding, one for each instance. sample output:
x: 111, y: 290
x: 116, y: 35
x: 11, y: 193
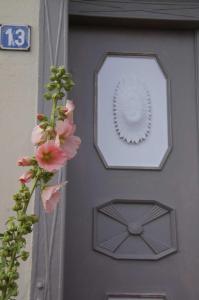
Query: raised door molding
x: 134, y: 229
x: 47, y: 266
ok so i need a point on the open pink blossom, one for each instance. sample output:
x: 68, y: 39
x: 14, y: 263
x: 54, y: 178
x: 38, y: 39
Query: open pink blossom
x: 26, y: 177
x: 50, y: 197
x: 38, y: 135
x: 24, y: 161
x: 50, y: 157
x: 63, y: 129
x: 71, y: 146
x: 65, y: 138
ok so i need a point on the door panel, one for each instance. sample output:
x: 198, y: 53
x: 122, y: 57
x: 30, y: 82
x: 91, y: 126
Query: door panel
x: 90, y: 274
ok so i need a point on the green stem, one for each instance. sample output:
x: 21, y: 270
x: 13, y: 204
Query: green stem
x: 31, y: 193
x: 4, y: 294
x: 14, y: 254
x: 52, y: 116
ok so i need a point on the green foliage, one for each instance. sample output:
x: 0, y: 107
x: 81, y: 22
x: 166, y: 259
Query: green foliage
x: 13, y: 240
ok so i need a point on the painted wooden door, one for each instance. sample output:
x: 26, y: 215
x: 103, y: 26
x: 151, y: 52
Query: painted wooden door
x: 132, y: 229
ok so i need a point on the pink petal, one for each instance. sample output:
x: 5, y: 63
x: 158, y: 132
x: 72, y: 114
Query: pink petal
x: 64, y: 128
x: 71, y: 146
x: 50, y: 157
x: 38, y: 135
x: 69, y: 110
x: 50, y: 197
x: 70, y: 106
x: 50, y: 204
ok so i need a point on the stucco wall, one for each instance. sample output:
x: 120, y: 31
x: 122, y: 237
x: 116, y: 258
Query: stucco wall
x: 18, y: 104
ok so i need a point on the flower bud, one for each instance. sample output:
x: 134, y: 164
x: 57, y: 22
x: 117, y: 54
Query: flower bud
x: 15, y: 275
x: 24, y: 161
x: 41, y: 117
x: 4, y: 253
x: 61, y: 95
x: 66, y: 86
x: 34, y: 219
x: 7, y: 238
x: 22, y: 218
x: 54, y: 96
x: 58, y: 86
x: 53, y: 78
x: 62, y: 69
x: 17, y: 197
x: 17, y: 207
x: 47, y: 96
x: 51, y: 86
x: 24, y: 255
x: 66, y: 76
x: 43, y: 124
x: 53, y: 69
x: 26, y: 177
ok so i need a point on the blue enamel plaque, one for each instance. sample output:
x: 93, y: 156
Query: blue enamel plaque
x: 15, y: 37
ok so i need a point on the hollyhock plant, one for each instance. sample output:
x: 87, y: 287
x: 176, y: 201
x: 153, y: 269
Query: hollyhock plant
x: 55, y: 144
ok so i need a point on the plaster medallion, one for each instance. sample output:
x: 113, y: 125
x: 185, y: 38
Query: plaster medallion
x: 132, y: 110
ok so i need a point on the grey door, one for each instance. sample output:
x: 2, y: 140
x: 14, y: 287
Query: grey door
x: 133, y: 232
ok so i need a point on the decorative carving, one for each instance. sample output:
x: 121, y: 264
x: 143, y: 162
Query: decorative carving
x: 132, y: 110
x: 130, y: 122
x: 135, y: 228
x: 128, y: 230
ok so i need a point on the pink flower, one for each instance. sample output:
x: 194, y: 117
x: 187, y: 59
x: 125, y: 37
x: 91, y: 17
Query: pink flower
x: 26, y: 177
x: 65, y: 138
x: 64, y: 129
x: 38, y: 135
x: 50, y: 157
x: 50, y: 197
x: 24, y: 161
x: 71, y: 146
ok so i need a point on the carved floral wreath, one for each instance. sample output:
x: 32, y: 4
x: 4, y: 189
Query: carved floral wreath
x: 132, y: 110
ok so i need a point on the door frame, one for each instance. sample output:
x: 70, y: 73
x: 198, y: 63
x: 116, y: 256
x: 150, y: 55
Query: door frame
x: 47, y: 265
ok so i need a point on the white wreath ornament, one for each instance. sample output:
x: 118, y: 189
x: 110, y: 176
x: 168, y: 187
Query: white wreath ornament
x: 132, y: 110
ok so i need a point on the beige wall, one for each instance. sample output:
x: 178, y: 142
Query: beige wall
x: 18, y: 105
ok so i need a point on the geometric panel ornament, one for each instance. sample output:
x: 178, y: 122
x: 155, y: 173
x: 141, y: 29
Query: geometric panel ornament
x: 134, y: 229
x: 132, y: 115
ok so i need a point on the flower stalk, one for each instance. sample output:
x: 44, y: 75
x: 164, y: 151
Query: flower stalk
x: 55, y: 145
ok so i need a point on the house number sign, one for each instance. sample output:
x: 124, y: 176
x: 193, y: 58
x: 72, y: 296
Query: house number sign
x: 15, y: 37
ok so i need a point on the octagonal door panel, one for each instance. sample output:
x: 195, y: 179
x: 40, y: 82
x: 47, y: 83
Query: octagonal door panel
x: 132, y: 200
x: 132, y: 111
